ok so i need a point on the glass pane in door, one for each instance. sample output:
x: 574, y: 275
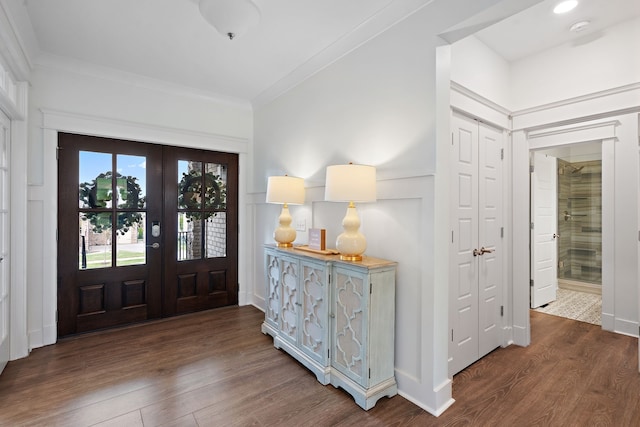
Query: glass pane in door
x: 216, y: 235
x: 202, y: 204
x: 95, y: 240
x: 215, y: 186
x: 131, y: 239
x: 95, y: 189
x: 189, y: 184
x: 215, y: 224
x: 131, y: 181
x: 189, y: 236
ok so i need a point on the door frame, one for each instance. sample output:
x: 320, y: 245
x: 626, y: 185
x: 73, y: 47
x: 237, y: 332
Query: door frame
x: 468, y: 103
x: 56, y: 121
x: 581, y: 132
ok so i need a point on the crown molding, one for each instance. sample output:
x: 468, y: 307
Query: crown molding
x: 55, y: 62
x: 13, y: 52
x: 578, y: 99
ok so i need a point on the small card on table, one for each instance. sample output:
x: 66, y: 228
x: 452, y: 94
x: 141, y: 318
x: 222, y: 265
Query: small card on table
x: 317, y: 239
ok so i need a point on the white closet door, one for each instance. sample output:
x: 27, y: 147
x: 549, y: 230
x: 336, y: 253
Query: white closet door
x: 489, y: 237
x: 464, y: 266
x: 544, y: 207
x: 5, y: 126
x: 476, y: 209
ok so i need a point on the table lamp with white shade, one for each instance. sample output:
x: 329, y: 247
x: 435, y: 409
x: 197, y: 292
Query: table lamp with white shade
x: 285, y: 190
x: 351, y: 183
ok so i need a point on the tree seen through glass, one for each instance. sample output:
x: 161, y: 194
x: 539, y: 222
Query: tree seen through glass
x: 98, y: 215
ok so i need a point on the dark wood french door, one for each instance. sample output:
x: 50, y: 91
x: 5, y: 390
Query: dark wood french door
x: 144, y: 231
x: 201, y: 209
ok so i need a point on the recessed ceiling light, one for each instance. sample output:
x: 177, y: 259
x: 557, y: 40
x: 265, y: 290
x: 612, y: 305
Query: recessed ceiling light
x: 565, y: 6
x: 579, y: 26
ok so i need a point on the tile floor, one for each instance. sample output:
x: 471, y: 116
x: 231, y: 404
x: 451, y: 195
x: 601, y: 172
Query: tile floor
x: 580, y: 306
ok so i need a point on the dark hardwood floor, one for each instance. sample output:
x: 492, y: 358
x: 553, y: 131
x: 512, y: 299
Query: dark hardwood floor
x: 215, y: 368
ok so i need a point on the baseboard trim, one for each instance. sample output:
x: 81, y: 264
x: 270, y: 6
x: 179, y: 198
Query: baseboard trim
x: 574, y: 285
x: 521, y: 336
x: 626, y: 327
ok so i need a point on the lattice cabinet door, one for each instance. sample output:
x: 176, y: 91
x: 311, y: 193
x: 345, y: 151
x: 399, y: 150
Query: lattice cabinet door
x: 362, y: 348
x: 314, y: 322
x: 351, y: 294
x: 272, y: 297
x: 290, y: 304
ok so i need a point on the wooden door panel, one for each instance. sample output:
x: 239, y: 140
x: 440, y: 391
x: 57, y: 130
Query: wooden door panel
x: 120, y: 300
x: 200, y: 237
x: 94, y: 296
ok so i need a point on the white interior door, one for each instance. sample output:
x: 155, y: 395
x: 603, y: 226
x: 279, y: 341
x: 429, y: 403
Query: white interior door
x: 475, y: 275
x: 544, y: 214
x: 489, y: 237
x: 4, y: 239
x: 463, y: 277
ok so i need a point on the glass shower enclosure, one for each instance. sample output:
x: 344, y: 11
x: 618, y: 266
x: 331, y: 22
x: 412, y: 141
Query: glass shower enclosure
x: 580, y: 221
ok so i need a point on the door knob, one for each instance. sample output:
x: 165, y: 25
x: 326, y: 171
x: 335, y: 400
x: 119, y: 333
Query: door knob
x: 156, y: 245
x: 477, y: 252
x: 484, y: 250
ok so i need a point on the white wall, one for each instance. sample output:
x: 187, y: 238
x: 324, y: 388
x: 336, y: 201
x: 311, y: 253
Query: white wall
x: 591, y: 64
x: 477, y: 67
x: 594, y: 63
x: 374, y: 106
x: 122, y: 108
x: 597, y: 63
x: 377, y: 105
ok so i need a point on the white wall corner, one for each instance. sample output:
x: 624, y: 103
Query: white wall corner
x: 608, y: 322
x: 521, y: 335
x: 445, y: 396
x: 507, y: 336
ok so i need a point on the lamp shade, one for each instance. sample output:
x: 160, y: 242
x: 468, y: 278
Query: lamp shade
x: 230, y: 17
x: 285, y: 190
x: 350, y: 183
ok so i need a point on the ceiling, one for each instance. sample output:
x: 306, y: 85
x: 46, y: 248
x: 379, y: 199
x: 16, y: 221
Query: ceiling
x: 168, y: 40
x: 538, y: 28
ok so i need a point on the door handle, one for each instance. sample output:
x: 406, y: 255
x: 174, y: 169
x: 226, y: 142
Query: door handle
x: 156, y: 245
x: 482, y: 251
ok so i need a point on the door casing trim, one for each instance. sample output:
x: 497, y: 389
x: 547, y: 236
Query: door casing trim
x: 59, y: 121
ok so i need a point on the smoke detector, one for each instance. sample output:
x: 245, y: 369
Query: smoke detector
x: 579, y: 26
